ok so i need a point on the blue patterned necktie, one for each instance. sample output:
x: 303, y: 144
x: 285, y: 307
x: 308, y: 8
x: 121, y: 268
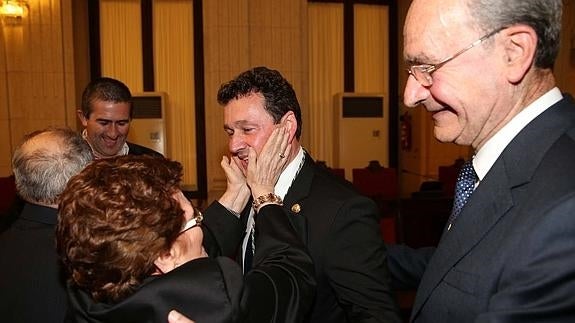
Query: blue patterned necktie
x: 463, y: 189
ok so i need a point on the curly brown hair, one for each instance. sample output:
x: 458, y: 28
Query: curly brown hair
x: 115, y: 218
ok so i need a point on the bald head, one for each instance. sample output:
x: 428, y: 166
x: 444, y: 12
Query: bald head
x: 46, y: 143
x: 45, y: 161
x: 434, y: 28
x: 455, y: 18
x: 476, y: 64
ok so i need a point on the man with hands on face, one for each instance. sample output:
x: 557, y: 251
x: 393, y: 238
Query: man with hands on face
x: 338, y: 226
x: 292, y: 283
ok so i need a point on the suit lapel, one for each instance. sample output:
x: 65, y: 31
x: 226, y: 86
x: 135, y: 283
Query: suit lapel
x: 488, y: 203
x: 301, y: 184
x: 294, y: 200
x: 493, y: 198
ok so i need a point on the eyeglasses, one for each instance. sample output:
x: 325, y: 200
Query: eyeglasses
x: 422, y: 73
x: 193, y: 222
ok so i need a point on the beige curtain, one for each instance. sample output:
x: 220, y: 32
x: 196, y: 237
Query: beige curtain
x: 371, y: 49
x: 121, y: 41
x: 174, y: 74
x: 325, y: 45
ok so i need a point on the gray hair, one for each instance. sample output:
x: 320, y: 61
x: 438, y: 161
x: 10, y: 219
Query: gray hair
x: 544, y: 16
x: 42, y: 172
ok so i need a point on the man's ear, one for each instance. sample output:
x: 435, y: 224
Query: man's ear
x: 291, y: 123
x: 520, y: 46
x: 81, y: 117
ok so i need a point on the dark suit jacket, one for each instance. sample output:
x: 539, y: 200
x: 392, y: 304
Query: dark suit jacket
x: 340, y: 229
x: 134, y: 149
x: 32, y: 288
x: 280, y: 286
x: 509, y: 255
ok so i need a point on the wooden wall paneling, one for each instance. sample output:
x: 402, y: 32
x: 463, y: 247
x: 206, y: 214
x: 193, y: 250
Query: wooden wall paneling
x: 271, y: 25
x: 371, y: 49
x: 325, y: 64
x: 14, y: 51
x: 174, y: 74
x: 371, y: 66
x: 81, y: 54
x: 35, y: 69
x: 276, y: 37
x: 214, y: 131
x: 296, y: 48
x: 226, y: 53
x: 303, y: 77
x: 16, y: 73
x: 263, y: 35
x: 5, y: 148
x: 121, y: 42
x: 68, y: 63
x: 46, y: 32
x: 3, y: 76
x: 278, y: 40
x: 49, y: 66
x: 35, y: 73
x: 5, y: 140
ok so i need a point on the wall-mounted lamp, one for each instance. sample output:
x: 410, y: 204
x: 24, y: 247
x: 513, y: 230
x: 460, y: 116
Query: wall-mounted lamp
x: 12, y: 11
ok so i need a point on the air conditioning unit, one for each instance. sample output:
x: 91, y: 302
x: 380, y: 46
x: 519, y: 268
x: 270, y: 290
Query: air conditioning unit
x: 148, y: 125
x: 361, y: 130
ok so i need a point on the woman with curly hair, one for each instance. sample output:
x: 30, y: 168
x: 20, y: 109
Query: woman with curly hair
x: 135, y: 248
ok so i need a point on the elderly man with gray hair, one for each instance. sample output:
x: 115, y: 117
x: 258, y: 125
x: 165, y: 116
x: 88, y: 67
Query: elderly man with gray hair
x: 31, y: 287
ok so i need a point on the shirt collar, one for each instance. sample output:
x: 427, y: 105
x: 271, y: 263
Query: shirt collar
x: 488, y: 154
x: 288, y: 175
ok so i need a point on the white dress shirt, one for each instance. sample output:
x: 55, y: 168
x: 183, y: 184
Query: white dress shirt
x: 282, y: 186
x: 486, y: 156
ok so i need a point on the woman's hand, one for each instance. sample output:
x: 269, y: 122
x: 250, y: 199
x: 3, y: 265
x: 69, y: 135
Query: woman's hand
x: 264, y: 170
x: 237, y: 192
x: 176, y: 317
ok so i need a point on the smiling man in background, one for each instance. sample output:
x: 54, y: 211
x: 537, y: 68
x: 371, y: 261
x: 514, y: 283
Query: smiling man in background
x: 106, y: 113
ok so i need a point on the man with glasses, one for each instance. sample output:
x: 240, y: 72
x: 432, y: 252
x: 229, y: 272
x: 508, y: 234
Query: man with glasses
x: 483, y: 69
